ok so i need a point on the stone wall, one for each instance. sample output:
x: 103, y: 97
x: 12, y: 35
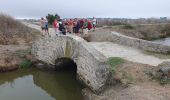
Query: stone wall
x: 130, y: 41
x: 92, y: 68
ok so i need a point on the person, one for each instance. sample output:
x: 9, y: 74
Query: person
x: 70, y: 25
x: 66, y: 25
x: 42, y: 24
x: 55, y: 26
x: 89, y: 26
x: 46, y: 27
x: 81, y: 25
x: 62, y: 28
x: 77, y: 28
x: 74, y: 25
x: 94, y: 22
x: 60, y: 25
x: 85, y: 28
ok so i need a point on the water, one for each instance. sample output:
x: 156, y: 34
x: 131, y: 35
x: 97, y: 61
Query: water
x: 34, y: 84
x: 165, y: 41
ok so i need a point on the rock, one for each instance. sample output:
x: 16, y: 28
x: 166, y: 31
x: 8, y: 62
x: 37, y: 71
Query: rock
x: 161, y: 72
x: 8, y: 68
x: 124, y: 82
x: 31, y: 58
x: 40, y: 65
x: 117, y: 76
x: 164, y: 69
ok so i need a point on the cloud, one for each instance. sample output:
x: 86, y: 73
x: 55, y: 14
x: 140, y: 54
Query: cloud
x: 86, y: 8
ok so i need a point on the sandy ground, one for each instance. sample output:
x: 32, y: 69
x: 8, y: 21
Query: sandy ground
x: 138, y: 85
x: 142, y: 86
x: 12, y: 55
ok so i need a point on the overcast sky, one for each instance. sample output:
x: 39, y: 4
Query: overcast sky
x: 86, y: 8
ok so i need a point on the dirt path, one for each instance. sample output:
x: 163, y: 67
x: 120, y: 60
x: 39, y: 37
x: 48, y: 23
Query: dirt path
x: 131, y: 54
x: 51, y: 30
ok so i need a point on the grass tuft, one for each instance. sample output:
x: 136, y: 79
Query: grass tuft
x: 128, y: 26
x: 25, y: 64
x: 114, y: 61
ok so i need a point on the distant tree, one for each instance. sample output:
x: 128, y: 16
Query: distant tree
x: 57, y: 16
x: 52, y: 17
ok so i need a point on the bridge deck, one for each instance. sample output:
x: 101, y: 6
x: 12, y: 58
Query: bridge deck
x: 109, y: 49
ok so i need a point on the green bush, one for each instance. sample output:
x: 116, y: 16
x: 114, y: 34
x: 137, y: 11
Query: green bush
x: 25, y: 64
x: 128, y: 26
x: 114, y: 61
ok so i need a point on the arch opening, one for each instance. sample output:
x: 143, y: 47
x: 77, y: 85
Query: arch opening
x: 65, y: 64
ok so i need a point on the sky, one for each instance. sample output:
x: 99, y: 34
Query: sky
x: 86, y: 8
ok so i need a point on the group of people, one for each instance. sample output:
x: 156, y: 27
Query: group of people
x: 77, y: 26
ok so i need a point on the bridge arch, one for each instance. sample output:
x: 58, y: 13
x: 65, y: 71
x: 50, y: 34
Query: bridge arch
x: 92, y: 68
x: 65, y: 64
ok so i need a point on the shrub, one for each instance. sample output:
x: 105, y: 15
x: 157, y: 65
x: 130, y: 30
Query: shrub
x: 166, y: 29
x: 114, y: 61
x: 25, y: 64
x: 128, y: 26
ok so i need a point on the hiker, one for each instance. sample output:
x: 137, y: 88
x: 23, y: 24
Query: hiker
x: 81, y: 25
x: 89, y: 26
x: 46, y: 27
x: 74, y: 25
x: 55, y: 26
x: 77, y: 28
x: 66, y: 25
x: 70, y: 26
x: 42, y: 24
x: 85, y: 28
x: 62, y: 28
x: 59, y: 25
x: 94, y: 22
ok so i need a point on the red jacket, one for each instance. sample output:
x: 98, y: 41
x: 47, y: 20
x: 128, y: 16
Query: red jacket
x: 55, y: 24
x: 89, y: 26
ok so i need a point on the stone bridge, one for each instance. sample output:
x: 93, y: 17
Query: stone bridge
x: 91, y: 57
x: 92, y: 68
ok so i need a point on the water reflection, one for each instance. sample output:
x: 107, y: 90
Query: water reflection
x: 33, y: 84
x: 165, y: 41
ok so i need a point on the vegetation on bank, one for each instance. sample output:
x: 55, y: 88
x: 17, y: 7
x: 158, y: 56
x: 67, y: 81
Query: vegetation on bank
x: 113, y: 62
x: 15, y: 32
x: 25, y: 64
x: 120, y: 75
x: 12, y: 30
x: 128, y: 26
x: 146, y: 32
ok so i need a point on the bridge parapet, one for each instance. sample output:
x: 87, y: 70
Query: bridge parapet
x: 130, y: 41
